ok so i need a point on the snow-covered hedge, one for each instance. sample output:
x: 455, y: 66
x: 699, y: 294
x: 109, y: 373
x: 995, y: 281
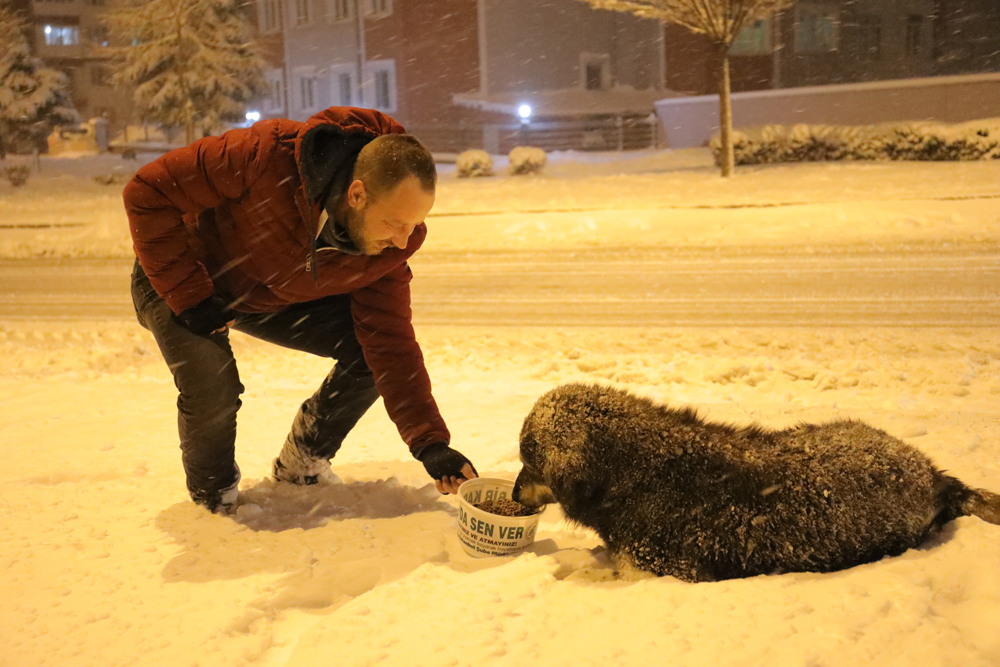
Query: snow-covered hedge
x: 17, y: 174
x: 975, y: 140
x: 473, y: 163
x: 526, y: 160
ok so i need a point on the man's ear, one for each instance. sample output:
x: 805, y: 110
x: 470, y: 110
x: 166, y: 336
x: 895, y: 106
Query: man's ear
x: 356, y: 193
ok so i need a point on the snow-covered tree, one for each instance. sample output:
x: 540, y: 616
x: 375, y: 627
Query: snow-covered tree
x: 33, y: 98
x: 191, y: 62
x: 719, y: 20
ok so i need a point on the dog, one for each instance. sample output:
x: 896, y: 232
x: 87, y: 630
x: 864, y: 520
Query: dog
x: 672, y: 494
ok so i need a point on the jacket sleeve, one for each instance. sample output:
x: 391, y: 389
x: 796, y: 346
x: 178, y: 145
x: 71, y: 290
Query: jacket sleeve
x: 382, y: 321
x: 182, y: 183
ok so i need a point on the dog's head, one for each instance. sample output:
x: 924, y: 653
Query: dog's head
x: 530, y: 488
x: 553, y: 451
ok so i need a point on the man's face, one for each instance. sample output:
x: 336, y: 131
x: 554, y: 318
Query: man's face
x: 375, y: 224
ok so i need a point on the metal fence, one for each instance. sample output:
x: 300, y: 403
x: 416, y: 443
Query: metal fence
x: 620, y: 133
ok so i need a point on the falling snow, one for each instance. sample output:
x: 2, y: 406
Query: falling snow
x: 105, y: 561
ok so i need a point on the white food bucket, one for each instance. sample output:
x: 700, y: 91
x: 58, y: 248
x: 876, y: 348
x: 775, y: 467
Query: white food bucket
x: 486, y: 534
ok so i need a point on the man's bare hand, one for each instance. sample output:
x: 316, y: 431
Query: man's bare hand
x: 451, y: 484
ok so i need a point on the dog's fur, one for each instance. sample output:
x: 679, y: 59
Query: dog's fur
x: 672, y: 494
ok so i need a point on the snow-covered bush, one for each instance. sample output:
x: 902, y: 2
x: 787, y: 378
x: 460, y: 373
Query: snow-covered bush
x: 17, y: 174
x: 976, y: 140
x: 474, y: 163
x: 526, y: 160
x: 117, y: 176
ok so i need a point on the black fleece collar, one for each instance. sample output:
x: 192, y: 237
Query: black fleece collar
x: 334, y: 235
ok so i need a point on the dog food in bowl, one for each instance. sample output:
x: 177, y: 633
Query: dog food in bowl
x: 505, y: 507
x: 490, y: 523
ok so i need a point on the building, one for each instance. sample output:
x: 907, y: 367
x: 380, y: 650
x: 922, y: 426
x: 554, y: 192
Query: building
x: 846, y: 41
x: 460, y: 73
x: 68, y: 35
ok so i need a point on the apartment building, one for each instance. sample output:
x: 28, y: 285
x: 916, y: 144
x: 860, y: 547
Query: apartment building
x: 68, y: 35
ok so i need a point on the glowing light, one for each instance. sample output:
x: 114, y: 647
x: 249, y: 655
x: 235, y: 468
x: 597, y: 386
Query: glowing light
x: 524, y: 111
x: 253, y: 116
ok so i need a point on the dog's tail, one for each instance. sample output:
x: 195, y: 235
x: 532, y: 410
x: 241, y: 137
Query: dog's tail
x: 985, y: 505
x: 955, y: 499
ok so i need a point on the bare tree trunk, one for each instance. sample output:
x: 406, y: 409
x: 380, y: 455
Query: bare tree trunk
x: 728, y: 158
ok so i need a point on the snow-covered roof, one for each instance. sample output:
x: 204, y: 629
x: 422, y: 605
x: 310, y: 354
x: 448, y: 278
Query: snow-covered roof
x: 563, y: 102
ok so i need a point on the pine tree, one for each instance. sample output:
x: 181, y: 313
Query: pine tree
x: 191, y: 62
x: 33, y: 98
x: 719, y: 20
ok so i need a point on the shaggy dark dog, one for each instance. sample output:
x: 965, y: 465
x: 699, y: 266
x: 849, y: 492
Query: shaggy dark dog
x: 672, y: 494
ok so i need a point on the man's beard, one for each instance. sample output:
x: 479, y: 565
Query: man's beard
x: 355, y: 225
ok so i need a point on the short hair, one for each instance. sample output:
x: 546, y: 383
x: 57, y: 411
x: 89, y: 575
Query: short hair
x: 389, y: 159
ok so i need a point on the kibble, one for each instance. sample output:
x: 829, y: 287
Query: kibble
x: 504, y: 507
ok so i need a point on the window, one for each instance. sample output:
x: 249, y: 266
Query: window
x: 381, y: 85
x: 379, y: 8
x: 100, y: 75
x: 595, y: 71
x: 753, y: 40
x: 382, y: 94
x: 275, y: 100
x: 98, y: 35
x: 301, y: 12
x: 344, y: 89
x: 61, y: 35
x: 342, y: 79
x: 863, y: 37
x: 269, y: 15
x: 307, y: 92
x: 867, y: 37
x: 339, y: 10
x: 816, y: 29
x: 914, y: 34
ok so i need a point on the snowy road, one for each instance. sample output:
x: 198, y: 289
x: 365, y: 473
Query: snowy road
x: 915, y: 286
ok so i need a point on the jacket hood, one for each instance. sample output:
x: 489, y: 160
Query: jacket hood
x: 326, y: 150
x: 328, y: 146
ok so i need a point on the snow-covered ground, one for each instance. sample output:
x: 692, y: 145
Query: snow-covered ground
x: 105, y: 561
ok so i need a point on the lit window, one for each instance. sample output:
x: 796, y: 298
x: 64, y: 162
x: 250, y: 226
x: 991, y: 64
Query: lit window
x: 62, y: 35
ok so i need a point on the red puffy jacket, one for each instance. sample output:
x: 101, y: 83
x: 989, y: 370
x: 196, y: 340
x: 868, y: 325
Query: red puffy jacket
x: 238, y: 215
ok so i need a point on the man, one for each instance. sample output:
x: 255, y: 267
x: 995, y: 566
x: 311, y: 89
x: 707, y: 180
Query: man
x: 298, y: 234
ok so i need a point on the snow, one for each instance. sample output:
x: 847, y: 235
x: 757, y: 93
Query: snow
x: 105, y: 561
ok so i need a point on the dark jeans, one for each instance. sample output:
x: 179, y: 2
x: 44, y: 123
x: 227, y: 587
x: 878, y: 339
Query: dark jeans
x: 206, y: 376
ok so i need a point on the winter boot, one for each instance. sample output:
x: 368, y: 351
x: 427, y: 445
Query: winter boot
x: 226, y: 504
x: 294, y: 467
x: 219, y: 502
